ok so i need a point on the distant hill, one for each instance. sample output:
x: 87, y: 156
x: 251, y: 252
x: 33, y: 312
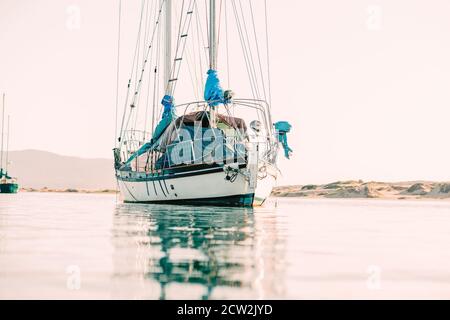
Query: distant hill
x: 39, y: 169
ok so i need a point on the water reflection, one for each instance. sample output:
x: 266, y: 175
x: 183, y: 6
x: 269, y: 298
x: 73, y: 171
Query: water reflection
x: 227, y: 252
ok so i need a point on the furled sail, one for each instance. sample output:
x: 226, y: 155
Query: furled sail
x: 213, y: 90
x: 167, y: 117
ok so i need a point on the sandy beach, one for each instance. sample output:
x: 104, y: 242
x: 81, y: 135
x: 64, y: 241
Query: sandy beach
x: 355, y: 189
x: 360, y: 189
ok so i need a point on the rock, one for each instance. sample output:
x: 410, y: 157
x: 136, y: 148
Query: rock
x: 333, y: 185
x: 441, y: 190
x: 444, y: 187
x: 296, y: 194
x: 417, y: 189
x: 362, y: 191
x: 372, y: 189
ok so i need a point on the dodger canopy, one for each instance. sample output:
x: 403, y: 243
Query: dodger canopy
x: 188, y: 121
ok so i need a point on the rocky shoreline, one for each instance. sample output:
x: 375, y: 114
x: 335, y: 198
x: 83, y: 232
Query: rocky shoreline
x: 370, y: 190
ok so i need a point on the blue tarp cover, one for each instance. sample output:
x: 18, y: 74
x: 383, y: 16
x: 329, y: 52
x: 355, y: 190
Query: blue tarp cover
x: 167, y: 117
x: 4, y: 174
x: 213, y: 90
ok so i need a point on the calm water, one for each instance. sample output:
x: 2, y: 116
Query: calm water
x: 89, y: 246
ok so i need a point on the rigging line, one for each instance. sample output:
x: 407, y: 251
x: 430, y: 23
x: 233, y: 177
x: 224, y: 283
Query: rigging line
x: 146, y: 56
x: 148, y: 20
x: 143, y: 59
x: 244, y: 50
x: 194, y: 64
x: 7, y: 147
x: 156, y: 78
x: 149, y: 75
x: 179, y: 39
x: 257, y: 50
x: 124, y: 113
x: 204, y: 44
x: 180, y: 27
x: 144, y: 41
x: 268, y: 56
x: 218, y: 34
x: 138, y: 43
x: 197, y: 54
x: 3, y: 129
x: 201, y: 43
x: 129, y: 81
x: 249, y: 49
x: 247, y: 44
x: 160, y: 79
x: 193, y: 81
x: 129, y: 86
x: 172, y: 66
x: 196, y: 58
x: 226, y: 45
x: 188, y: 21
x: 207, y: 24
x: 153, y: 8
x: 239, y: 133
x: 118, y: 74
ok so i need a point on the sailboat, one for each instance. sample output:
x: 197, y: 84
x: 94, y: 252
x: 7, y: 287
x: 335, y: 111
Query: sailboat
x: 219, y: 150
x: 7, y: 184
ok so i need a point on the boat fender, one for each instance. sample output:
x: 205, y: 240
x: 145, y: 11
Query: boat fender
x: 228, y: 96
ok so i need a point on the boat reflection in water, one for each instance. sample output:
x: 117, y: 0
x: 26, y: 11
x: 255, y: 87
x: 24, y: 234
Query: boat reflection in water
x: 175, y: 252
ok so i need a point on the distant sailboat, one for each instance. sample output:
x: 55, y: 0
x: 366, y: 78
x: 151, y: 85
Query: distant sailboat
x: 217, y: 151
x: 7, y: 184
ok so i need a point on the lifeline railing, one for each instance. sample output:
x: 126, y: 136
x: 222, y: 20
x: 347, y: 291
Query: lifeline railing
x: 135, y: 139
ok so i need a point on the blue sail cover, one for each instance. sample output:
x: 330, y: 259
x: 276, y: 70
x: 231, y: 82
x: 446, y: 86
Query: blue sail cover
x: 213, y: 90
x: 4, y: 174
x: 167, y: 117
x: 282, y: 129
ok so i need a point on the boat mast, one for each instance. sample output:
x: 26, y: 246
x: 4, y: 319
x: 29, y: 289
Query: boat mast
x: 168, y: 46
x: 3, y: 125
x: 212, y: 52
x: 212, y: 35
x: 7, y: 148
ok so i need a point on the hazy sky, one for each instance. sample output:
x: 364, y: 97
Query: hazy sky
x: 366, y: 84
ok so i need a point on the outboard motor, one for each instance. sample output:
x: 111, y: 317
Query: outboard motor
x: 282, y: 128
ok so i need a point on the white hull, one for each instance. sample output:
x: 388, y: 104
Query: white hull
x: 205, y: 188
